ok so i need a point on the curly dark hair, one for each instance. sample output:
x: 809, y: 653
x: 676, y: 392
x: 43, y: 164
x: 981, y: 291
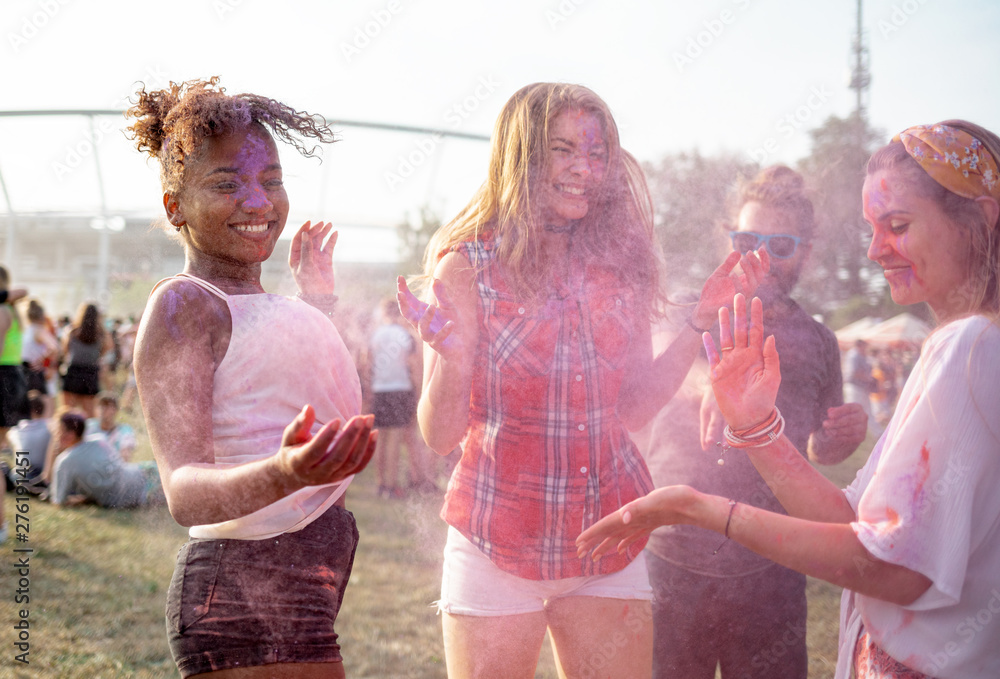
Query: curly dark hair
x: 171, y: 124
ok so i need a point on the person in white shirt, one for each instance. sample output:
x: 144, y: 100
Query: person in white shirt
x: 393, y: 368
x: 915, y: 540
x: 119, y: 435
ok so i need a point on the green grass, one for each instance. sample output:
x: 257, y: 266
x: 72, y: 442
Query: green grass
x: 99, y: 578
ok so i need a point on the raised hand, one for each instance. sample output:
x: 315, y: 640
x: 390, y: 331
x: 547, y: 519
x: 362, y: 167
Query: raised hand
x: 725, y: 282
x: 332, y: 454
x: 311, y: 261
x: 843, y: 430
x: 436, y: 324
x: 616, y: 531
x: 745, y: 371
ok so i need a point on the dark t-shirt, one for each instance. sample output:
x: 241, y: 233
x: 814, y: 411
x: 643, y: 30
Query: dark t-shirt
x: 811, y: 382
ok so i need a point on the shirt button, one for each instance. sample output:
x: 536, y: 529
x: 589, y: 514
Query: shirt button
x: 520, y: 310
x: 579, y: 378
x: 580, y: 427
x: 583, y: 470
x: 618, y: 302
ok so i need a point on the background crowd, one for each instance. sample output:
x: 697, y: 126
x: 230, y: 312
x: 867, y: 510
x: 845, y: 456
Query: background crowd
x: 78, y: 369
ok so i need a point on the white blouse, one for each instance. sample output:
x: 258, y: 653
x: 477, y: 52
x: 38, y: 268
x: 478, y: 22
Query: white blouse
x: 929, y: 499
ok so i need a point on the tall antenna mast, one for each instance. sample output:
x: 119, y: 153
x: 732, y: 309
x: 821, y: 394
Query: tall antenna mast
x: 861, y: 77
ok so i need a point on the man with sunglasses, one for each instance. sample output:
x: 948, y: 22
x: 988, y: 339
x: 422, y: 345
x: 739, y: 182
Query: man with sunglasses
x: 721, y: 604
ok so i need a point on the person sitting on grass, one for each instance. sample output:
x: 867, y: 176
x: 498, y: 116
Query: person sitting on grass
x: 88, y: 470
x: 120, y: 436
x: 30, y: 436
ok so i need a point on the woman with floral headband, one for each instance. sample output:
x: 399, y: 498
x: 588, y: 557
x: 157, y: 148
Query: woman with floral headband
x: 548, y: 281
x: 915, y: 540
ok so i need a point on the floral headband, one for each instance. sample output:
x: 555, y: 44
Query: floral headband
x: 954, y: 159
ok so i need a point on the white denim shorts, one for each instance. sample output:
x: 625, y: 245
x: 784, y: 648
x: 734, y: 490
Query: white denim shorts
x: 474, y: 585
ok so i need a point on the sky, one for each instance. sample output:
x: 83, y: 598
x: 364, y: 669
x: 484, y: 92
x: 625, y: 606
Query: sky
x: 749, y: 77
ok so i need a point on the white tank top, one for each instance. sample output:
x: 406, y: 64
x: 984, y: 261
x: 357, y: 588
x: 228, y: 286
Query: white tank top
x: 282, y: 355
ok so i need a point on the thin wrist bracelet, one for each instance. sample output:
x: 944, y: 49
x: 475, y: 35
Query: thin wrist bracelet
x: 690, y: 321
x: 322, y: 301
x: 732, y: 508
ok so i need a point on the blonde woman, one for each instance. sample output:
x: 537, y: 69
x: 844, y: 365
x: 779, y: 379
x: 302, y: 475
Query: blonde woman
x: 538, y: 361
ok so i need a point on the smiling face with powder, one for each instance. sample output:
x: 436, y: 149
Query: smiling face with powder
x: 575, y: 164
x: 232, y: 206
x: 924, y: 254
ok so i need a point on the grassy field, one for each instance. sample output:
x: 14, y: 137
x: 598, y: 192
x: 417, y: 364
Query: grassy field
x: 98, y: 583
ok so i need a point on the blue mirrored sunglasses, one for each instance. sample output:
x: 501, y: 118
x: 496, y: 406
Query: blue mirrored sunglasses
x: 779, y: 245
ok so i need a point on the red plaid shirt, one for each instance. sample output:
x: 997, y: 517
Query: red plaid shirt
x: 545, y: 455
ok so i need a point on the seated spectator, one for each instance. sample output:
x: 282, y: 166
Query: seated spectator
x: 31, y: 436
x: 88, y: 470
x: 119, y: 435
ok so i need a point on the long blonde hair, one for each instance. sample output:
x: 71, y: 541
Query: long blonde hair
x: 618, y: 227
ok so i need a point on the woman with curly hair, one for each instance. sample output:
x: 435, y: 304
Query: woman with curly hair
x: 538, y: 360
x: 82, y: 349
x: 255, y: 429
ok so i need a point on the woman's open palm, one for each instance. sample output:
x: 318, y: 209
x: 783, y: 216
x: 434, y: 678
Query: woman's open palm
x: 744, y: 370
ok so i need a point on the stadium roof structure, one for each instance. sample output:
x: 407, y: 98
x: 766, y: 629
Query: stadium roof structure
x: 83, y: 165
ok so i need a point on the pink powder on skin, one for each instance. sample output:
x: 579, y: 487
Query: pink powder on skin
x: 874, y: 204
x: 172, y: 301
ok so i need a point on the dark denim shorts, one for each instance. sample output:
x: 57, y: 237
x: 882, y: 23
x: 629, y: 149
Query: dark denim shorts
x: 244, y: 603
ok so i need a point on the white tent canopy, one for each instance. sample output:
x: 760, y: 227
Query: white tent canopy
x: 902, y: 329
x: 856, y: 330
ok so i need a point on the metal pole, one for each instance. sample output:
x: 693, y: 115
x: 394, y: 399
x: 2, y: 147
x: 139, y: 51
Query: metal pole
x: 9, y: 247
x: 389, y: 127
x: 104, y: 243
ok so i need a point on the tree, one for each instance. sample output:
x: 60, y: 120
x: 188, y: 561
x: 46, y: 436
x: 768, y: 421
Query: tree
x: 690, y: 201
x: 413, y: 239
x: 839, y: 268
